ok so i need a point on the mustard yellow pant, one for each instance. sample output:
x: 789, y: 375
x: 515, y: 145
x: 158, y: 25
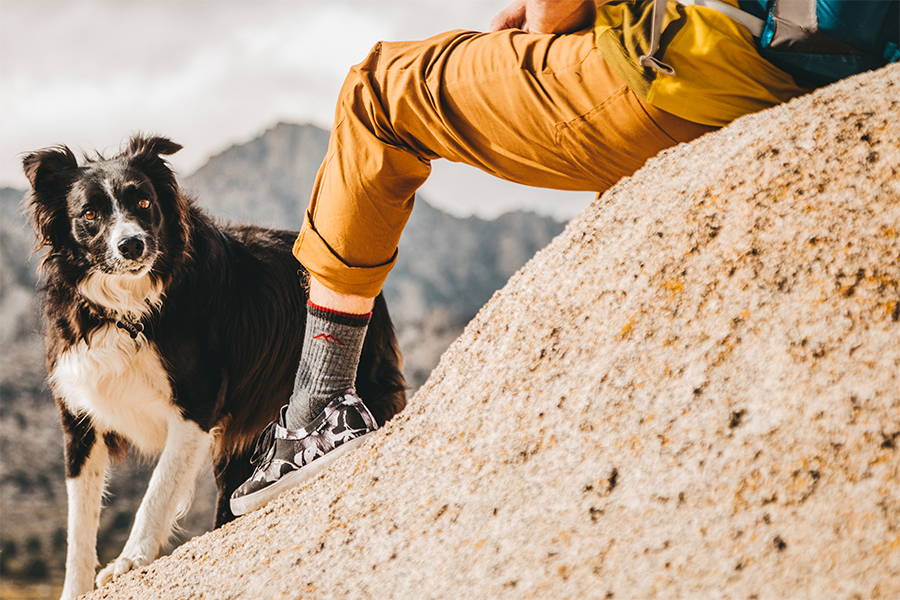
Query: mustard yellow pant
x: 542, y: 110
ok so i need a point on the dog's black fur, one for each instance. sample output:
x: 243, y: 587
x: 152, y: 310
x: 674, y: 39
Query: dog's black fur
x: 229, y: 330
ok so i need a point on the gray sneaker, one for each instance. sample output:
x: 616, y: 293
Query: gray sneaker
x: 284, y: 457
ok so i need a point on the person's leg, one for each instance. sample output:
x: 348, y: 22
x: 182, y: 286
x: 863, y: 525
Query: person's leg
x: 324, y: 416
x: 542, y: 110
x: 335, y: 330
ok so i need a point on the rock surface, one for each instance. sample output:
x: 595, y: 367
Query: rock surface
x: 693, y: 392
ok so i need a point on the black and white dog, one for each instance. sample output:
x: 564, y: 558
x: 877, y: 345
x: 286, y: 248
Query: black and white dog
x: 169, y: 333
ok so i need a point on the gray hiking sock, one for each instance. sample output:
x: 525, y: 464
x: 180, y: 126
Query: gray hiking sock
x: 331, y: 350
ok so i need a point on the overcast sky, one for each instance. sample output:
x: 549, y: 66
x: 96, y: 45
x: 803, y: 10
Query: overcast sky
x: 208, y: 74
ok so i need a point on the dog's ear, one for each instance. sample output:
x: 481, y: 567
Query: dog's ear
x: 140, y: 146
x: 44, y: 168
x: 50, y: 172
x: 146, y: 153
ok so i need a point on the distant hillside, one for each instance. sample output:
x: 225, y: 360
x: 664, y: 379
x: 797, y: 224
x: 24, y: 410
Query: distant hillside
x: 264, y: 181
x: 18, y: 273
x: 447, y: 269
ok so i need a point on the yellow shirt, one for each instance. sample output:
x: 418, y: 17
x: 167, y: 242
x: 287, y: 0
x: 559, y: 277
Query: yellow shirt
x: 719, y: 75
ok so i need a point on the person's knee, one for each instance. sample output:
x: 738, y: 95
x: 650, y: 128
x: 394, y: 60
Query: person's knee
x: 373, y: 89
x: 400, y: 67
x: 370, y: 61
x: 359, y: 101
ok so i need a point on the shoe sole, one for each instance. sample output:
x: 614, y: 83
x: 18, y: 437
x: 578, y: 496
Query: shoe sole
x: 250, y: 502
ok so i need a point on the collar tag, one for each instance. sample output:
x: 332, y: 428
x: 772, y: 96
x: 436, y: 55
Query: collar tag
x: 133, y: 329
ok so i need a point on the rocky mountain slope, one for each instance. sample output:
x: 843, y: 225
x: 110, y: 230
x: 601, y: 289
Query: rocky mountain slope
x: 448, y: 268
x: 693, y: 392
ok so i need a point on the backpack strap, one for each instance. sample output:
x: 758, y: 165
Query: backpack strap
x: 752, y: 23
x: 649, y: 60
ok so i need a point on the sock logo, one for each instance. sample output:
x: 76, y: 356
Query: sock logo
x: 327, y: 337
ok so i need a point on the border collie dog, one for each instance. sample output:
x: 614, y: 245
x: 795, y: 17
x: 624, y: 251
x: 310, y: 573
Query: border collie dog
x: 169, y: 333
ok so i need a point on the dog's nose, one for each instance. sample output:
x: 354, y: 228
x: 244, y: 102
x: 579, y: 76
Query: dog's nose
x: 132, y: 247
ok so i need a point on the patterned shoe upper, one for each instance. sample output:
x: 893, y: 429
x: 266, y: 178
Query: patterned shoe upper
x: 280, y: 450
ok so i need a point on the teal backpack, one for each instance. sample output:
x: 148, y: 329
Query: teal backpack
x: 817, y: 41
x: 821, y: 41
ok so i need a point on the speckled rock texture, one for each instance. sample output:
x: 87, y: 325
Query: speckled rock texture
x: 693, y: 392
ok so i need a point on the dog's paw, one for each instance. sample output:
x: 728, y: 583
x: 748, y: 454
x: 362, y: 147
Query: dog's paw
x: 121, y: 565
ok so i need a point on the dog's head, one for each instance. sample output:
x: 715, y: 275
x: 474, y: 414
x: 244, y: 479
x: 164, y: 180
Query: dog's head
x: 108, y: 215
x: 116, y: 229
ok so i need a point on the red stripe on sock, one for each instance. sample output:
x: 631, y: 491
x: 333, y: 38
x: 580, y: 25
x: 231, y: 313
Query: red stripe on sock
x: 338, y: 312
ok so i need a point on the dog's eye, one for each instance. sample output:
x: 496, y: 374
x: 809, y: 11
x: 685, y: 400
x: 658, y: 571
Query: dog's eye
x: 143, y: 203
x: 90, y: 215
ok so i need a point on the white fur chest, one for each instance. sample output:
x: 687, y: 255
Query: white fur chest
x: 121, y: 383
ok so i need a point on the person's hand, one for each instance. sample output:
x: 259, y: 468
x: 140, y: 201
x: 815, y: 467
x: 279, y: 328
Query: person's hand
x: 545, y: 16
x: 511, y: 17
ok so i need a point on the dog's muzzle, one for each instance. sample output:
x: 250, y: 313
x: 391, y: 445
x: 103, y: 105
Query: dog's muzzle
x: 131, y: 248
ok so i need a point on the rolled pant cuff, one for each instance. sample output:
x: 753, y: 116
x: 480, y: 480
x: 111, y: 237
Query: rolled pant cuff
x: 334, y: 272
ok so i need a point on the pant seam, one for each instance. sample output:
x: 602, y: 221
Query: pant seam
x: 653, y: 121
x: 563, y: 125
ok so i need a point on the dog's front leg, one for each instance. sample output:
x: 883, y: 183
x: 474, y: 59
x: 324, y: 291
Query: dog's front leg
x: 168, y: 497
x: 86, y: 461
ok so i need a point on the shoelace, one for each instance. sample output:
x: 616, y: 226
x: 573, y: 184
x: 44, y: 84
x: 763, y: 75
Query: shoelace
x: 264, y: 443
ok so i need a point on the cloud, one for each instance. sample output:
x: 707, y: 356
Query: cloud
x: 89, y: 73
